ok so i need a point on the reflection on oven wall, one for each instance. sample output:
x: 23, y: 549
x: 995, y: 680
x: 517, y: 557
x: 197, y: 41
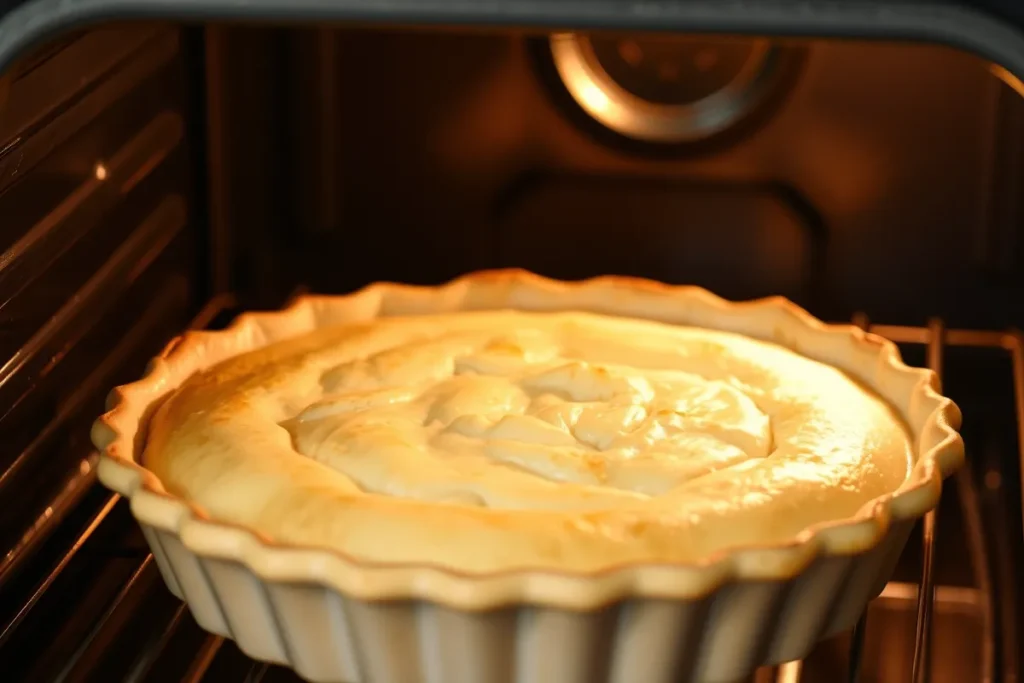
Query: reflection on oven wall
x: 425, y: 155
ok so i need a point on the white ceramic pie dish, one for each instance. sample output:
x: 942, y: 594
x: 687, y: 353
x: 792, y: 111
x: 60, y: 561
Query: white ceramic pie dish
x: 333, y: 618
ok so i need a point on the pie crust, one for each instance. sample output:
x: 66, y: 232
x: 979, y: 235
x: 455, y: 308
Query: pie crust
x: 805, y: 582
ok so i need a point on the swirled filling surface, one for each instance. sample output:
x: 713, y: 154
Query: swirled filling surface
x: 496, y: 440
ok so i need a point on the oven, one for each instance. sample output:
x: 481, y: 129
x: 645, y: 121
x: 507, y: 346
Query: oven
x: 165, y: 165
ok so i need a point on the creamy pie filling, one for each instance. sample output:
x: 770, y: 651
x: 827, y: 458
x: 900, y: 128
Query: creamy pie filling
x: 489, y: 441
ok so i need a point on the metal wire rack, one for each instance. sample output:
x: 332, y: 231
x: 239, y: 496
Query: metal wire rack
x: 936, y: 339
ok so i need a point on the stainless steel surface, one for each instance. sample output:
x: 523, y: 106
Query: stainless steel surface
x: 957, y: 623
x: 26, y: 608
x: 617, y: 106
x: 1015, y: 343
x: 926, y: 589
x: 853, y: 669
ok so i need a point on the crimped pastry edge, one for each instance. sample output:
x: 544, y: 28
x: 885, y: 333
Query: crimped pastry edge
x: 940, y: 449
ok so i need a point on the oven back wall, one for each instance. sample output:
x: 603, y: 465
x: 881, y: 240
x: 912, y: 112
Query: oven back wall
x: 880, y: 177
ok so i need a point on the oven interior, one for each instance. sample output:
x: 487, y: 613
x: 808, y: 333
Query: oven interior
x: 159, y: 176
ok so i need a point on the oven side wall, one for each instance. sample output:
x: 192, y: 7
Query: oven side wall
x: 101, y: 264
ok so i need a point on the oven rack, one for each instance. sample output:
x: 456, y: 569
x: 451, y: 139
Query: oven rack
x: 198, y: 657
x: 936, y: 339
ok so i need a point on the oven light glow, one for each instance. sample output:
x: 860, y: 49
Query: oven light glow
x: 593, y: 98
x: 100, y: 172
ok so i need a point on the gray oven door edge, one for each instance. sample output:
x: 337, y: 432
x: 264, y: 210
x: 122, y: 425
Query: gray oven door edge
x: 26, y: 23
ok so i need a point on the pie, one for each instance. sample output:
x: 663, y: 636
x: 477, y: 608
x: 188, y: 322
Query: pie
x: 578, y: 433
x: 612, y: 479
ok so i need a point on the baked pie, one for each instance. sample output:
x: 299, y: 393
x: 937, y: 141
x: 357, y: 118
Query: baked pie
x: 511, y: 440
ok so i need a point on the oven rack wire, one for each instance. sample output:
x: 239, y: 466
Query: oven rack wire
x: 934, y: 337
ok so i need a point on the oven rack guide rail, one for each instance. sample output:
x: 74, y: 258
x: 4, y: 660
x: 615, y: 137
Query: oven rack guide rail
x: 992, y: 29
